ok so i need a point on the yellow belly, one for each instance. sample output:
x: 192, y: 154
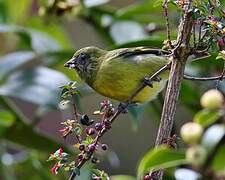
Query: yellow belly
x: 122, y: 92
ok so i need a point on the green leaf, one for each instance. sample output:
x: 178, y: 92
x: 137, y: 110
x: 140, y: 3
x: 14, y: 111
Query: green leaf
x: 118, y: 32
x: 218, y: 160
x: 161, y: 157
x: 122, y: 177
x: 25, y: 136
x: 144, y: 7
x: 6, y: 120
x: 53, y: 30
x: 153, y: 41
x: 212, y: 136
x: 17, y: 10
x: 40, y: 42
x: 15, y: 60
x: 3, y: 12
x: 206, y: 117
x: 39, y: 86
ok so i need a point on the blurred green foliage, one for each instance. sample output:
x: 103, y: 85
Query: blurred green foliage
x: 35, y: 43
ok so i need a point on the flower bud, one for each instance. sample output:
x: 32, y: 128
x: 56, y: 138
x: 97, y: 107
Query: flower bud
x: 212, y: 99
x: 191, y: 132
x: 196, y: 155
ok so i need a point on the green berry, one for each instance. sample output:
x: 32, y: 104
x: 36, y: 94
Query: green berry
x: 196, y: 155
x: 191, y: 132
x: 212, y: 99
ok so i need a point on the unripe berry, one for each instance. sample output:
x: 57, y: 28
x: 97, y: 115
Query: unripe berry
x: 191, y: 132
x: 196, y: 155
x: 212, y: 99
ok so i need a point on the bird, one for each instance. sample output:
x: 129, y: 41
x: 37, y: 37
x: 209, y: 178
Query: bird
x: 118, y: 73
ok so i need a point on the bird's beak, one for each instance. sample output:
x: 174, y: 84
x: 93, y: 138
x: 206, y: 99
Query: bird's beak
x: 71, y: 63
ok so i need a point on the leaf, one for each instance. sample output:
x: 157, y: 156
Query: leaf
x: 153, y: 41
x: 12, y: 7
x: 25, y: 136
x: 136, y: 9
x: 161, y: 157
x: 212, y: 136
x: 40, y: 42
x: 122, y: 177
x: 3, y: 12
x: 218, y: 160
x: 206, y: 117
x: 6, y: 120
x: 52, y: 29
x: 93, y: 3
x: 118, y: 32
x: 186, y: 174
x: 39, y: 86
x: 13, y: 61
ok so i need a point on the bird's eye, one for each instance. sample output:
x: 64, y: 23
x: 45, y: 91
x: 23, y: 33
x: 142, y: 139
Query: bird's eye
x: 82, y: 58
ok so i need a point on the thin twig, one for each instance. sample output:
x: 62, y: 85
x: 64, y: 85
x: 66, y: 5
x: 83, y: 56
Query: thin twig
x: 187, y: 77
x: 165, y: 7
x: 221, y: 76
x: 75, y: 113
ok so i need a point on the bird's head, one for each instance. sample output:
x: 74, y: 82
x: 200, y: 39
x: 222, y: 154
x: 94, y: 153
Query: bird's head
x: 85, y: 60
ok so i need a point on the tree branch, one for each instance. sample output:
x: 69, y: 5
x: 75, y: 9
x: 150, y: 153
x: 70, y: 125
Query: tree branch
x: 180, y: 55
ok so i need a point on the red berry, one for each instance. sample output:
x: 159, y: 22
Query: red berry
x: 90, y: 131
x: 98, y: 126
x: 147, y: 177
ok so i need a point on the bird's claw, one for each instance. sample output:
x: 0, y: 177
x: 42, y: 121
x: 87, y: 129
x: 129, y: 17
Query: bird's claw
x: 149, y: 81
x: 122, y: 107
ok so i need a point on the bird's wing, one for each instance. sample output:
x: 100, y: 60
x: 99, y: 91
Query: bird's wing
x: 131, y: 52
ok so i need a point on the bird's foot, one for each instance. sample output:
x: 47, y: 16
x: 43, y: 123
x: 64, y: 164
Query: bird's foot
x: 122, y: 107
x: 149, y: 81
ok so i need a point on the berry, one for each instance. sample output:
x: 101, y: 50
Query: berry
x: 81, y: 147
x: 90, y: 131
x: 91, y: 147
x: 147, y: 177
x: 84, y: 120
x: 212, y: 99
x: 104, y: 147
x: 191, y: 132
x: 196, y: 155
x: 98, y: 126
